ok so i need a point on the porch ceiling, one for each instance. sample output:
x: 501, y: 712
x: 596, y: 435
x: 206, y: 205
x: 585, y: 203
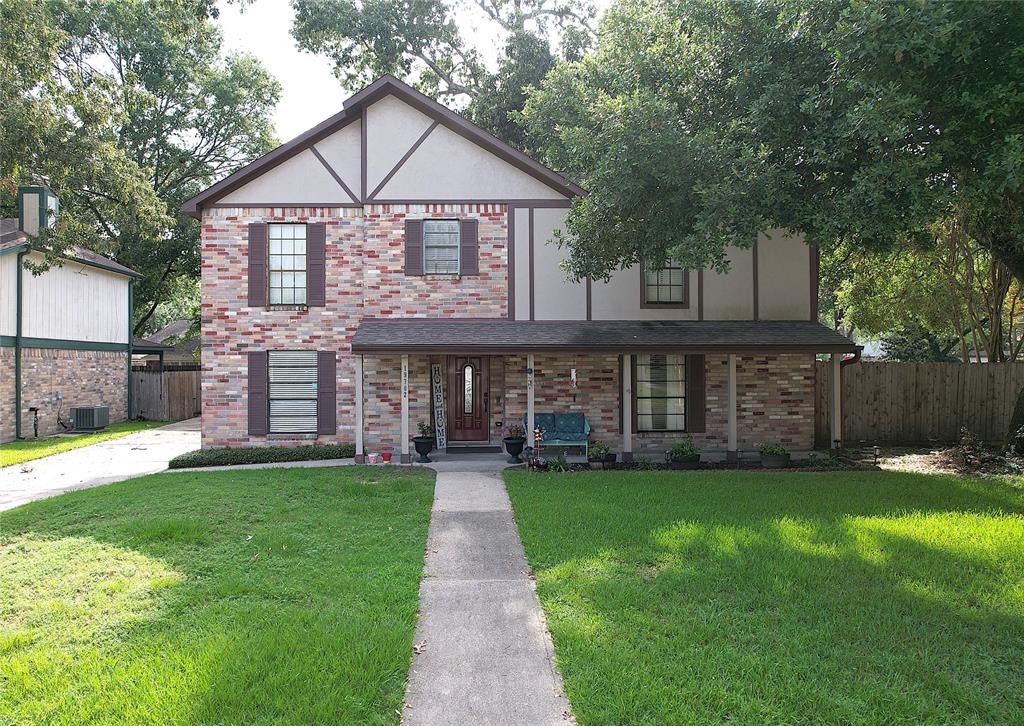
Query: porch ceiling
x: 498, y: 336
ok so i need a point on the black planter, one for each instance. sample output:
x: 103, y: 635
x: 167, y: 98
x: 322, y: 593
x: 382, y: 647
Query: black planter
x: 774, y: 461
x: 514, y: 446
x: 424, y: 445
x: 685, y: 462
x: 605, y: 460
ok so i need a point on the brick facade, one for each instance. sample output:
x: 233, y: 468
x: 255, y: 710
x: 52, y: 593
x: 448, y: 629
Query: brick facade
x: 79, y: 377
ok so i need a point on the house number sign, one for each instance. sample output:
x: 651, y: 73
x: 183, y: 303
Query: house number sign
x: 440, y: 420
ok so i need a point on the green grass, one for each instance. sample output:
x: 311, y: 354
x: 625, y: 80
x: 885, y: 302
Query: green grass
x: 759, y: 598
x: 17, y: 452
x: 256, y: 597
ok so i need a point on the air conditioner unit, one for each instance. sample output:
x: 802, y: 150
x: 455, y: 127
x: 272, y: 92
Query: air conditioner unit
x: 90, y: 418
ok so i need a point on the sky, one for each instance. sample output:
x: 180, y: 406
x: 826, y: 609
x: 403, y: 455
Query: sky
x: 310, y: 92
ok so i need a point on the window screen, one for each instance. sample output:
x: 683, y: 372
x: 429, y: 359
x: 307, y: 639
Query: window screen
x: 292, y: 391
x: 660, y: 392
x: 441, y: 246
x: 287, y: 264
x: 664, y: 285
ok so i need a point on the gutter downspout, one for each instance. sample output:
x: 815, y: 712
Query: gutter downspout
x: 17, y: 345
x: 128, y: 363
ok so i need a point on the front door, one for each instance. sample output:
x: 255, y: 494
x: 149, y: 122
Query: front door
x: 467, y: 398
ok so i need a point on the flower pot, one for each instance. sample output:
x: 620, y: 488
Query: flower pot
x: 424, y: 445
x: 514, y: 447
x: 371, y: 458
x: 684, y: 462
x: 774, y: 461
x: 385, y: 456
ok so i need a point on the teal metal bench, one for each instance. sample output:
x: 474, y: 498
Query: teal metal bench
x: 562, y: 429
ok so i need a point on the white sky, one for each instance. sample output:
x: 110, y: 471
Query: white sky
x: 310, y: 92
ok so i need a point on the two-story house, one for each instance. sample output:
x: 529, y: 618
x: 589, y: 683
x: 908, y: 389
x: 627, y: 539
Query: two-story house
x: 394, y: 265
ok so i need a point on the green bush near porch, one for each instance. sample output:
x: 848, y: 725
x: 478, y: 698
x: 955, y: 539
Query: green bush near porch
x: 286, y: 596
x: 754, y: 597
x: 261, y: 455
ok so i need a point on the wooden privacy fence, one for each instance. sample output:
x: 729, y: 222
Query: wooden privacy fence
x: 169, y: 396
x: 919, y: 402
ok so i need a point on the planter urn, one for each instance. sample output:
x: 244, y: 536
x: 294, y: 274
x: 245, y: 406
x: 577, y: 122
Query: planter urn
x: 424, y: 445
x: 774, y: 461
x: 514, y: 447
x: 685, y: 462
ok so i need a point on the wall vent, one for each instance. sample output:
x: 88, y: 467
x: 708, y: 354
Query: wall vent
x: 90, y: 418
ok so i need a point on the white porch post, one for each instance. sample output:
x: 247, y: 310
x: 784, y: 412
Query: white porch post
x: 731, y: 453
x: 406, y: 458
x: 627, y: 407
x: 529, y: 399
x: 837, y: 402
x: 360, y: 455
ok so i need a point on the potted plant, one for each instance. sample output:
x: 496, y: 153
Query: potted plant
x: 684, y: 453
x: 773, y: 456
x: 514, y: 443
x: 425, y: 442
x: 598, y: 452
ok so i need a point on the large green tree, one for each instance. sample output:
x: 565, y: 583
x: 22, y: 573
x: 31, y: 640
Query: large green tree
x: 129, y: 109
x: 695, y: 124
x: 429, y: 44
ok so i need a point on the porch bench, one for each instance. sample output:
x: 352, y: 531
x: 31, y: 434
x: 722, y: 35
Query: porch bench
x: 562, y: 429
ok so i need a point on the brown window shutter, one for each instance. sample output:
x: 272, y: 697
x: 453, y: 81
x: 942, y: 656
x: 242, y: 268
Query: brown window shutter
x: 469, y: 233
x: 696, y: 406
x: 326, y: 393
x: 259, y: 415
x: 257, y: 264
x: 414, y: 247
x: 316, y: 264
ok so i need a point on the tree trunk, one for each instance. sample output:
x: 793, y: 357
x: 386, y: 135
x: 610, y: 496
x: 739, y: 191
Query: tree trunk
x: 1011, y: 254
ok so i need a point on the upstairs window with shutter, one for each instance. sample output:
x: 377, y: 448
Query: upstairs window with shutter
x: 665, y: 286
x: 287, y: 248
x: 441, y: 242
x: 292, y: 391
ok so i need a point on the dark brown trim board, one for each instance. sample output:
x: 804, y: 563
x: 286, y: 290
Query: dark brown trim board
x: 700, y: 294
x: 524, y: 348
x: 753, y: 264
x: 355, y: 109
x: 333, y: 173
x: 401, y: 162
x: 815, y: 280
x: 532, y: 304
x: 663, y: 305
x: 590, y: 300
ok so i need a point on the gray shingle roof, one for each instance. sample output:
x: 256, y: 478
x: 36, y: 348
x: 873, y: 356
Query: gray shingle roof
x: 506, y: 336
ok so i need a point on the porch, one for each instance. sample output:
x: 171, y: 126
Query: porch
x: 736, y: 383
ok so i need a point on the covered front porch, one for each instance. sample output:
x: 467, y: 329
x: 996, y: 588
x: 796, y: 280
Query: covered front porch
x: 730, y: 385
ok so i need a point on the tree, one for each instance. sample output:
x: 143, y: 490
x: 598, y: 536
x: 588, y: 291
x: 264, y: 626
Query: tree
x: 422, y: 42
x: 146, y: 111
x: 696, y: 124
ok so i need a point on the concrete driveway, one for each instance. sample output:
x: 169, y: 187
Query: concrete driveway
x: 134, y: 455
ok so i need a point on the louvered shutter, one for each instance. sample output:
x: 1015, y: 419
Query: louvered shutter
x: 469, y: 263
x: 414, y: 247
x: 258, y: 416
x: 316, y: 264
x: 257, y: 264
x: 695, y: 398
x: 327, y: 385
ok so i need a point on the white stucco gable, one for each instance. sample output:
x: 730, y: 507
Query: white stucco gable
x: 302, y: 179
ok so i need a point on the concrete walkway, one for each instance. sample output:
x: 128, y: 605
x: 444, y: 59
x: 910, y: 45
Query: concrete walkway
x: 145, y: 452
x: 485, y: 653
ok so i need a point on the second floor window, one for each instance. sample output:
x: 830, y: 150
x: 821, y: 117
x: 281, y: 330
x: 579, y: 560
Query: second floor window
x: 287, y: 264
x: 665, y: 285
x: 441, y: 246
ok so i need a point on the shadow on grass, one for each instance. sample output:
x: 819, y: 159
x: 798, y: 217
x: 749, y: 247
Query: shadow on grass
x: 227, y: 597
x: 763, y: 598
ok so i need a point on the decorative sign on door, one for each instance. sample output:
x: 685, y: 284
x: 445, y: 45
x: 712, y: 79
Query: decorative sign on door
x: 440, y: 416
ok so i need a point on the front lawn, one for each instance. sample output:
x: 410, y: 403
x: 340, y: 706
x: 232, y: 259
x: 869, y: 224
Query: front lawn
x: 17, y: 452
x: 855, y: 597
x: 275, y: 596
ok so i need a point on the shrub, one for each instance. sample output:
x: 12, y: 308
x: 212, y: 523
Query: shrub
x: 426, y: 431
x: 683, y: 449
x: 772, y: 449
x: 515, y: 431
x: 230, y: 457
x: 598, y: 449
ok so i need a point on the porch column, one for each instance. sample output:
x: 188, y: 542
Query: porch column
x: 360, y: 455
x: 732, y: 453
x: 837, y: 402
x: 529, y: 399
x: 406, y: 458
x: 627, y: 407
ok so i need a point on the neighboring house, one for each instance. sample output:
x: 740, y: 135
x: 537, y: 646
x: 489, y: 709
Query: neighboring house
x: 64, y: 334
x: 175, y: 348
x: 396, y: 241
